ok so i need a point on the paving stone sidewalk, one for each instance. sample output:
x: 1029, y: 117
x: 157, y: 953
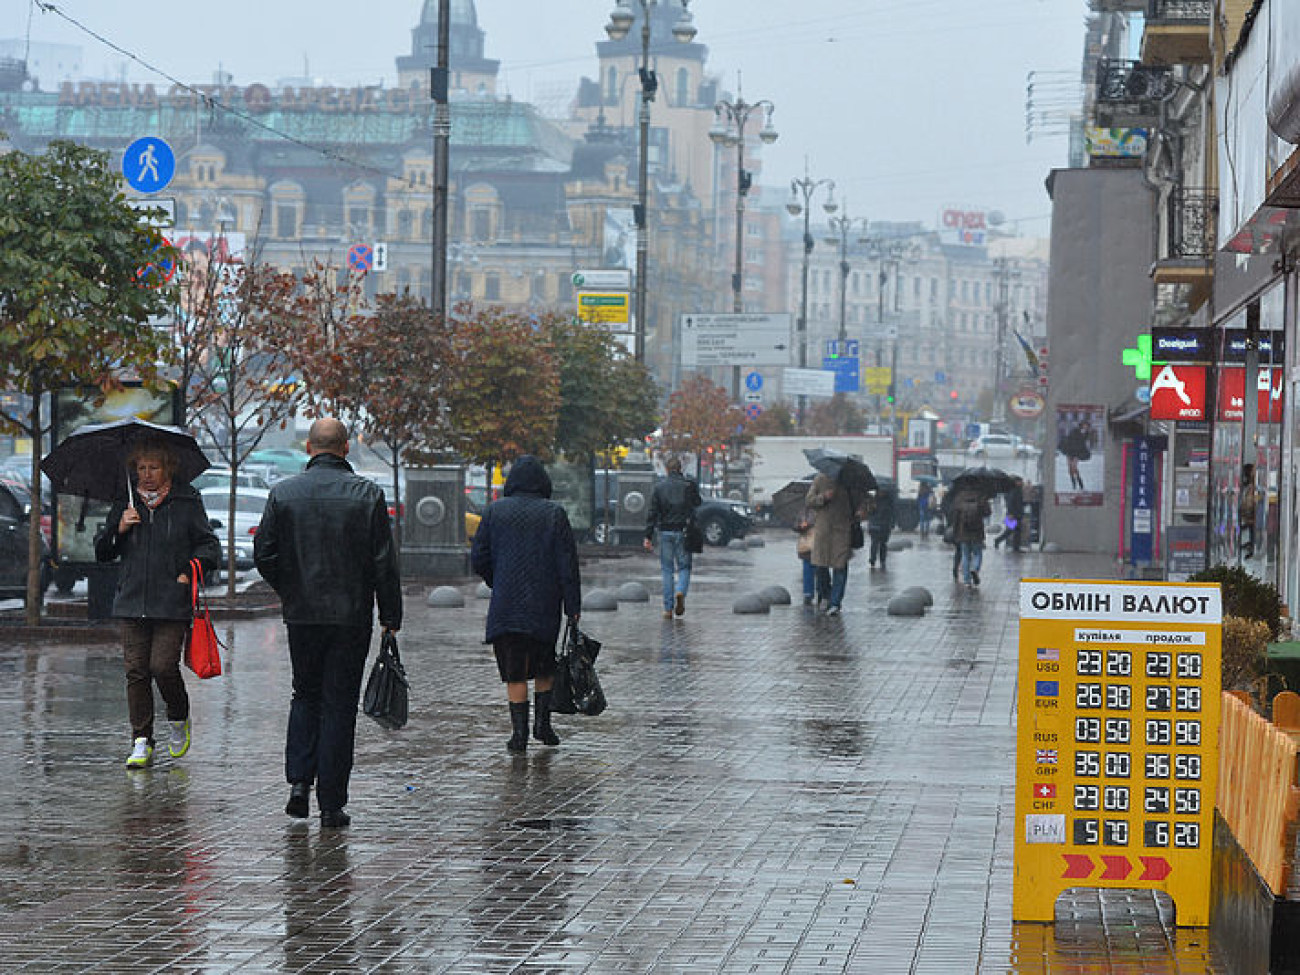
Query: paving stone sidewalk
x: 787, y: 792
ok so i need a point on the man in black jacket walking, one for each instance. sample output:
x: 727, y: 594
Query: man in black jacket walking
x: 326, y: 547
x: 672, y: 505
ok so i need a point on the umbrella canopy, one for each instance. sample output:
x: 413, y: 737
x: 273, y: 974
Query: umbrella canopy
x: 91, y: 461
x: 788, y: 502
x: 988, y: 481
x: 849, y: 471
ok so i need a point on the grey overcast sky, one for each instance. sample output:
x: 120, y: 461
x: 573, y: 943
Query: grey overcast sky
x: 909, y: 105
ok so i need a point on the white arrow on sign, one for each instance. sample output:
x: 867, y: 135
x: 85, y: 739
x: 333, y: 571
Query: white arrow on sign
x: 735, y: 340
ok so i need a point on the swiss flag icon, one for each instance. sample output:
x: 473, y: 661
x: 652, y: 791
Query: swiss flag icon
x: 1178, y: 393
x: 1045, y: 790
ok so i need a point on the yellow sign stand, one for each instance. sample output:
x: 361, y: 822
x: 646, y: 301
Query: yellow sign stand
x: 604, y: 307
x: 1117, y: 745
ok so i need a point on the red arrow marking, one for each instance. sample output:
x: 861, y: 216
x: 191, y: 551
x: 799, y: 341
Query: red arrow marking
x: 1155, y: 868
x: 1117, y: 868
x: 1077, y: 865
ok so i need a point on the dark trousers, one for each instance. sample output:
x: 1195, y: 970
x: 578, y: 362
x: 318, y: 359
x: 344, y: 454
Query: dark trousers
x: 328, y: 662
x: 879, y: 548
x: 152, y: 652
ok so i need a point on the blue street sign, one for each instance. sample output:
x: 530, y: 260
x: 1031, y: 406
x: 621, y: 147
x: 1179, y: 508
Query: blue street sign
x: 939, y: 377
x: 361, y: 257
x: 835, y: 348
x: 847, y: 378
x: 148, y: 164
x: 754, y: 381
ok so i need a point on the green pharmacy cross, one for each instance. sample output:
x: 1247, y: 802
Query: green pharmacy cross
x: 1140, y: 358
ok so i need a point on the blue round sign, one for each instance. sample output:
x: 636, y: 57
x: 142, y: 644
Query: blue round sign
x: 754, y: 381
x: 148, y: 164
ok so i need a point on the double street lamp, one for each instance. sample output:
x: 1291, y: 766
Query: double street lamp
x: 729, y: 121
x: 842, y: 228
x: 801, y: 194
x: 620, y: 23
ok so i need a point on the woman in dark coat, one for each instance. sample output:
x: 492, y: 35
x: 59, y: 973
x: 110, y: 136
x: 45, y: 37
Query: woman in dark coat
x: 524, y: 550
x: 880, y: 524
x: 155, y: 538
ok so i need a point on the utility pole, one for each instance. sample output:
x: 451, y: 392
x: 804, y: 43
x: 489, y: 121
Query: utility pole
x: 1003, y: 274
x: 439, y: 89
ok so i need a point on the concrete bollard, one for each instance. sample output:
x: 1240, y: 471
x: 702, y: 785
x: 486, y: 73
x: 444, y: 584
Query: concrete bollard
x: 776, y: 595
x: 749, y: 603
x: 755, y: 541
x: 632, y: 592
x: 484, y: 591
x: 599, y: 601
x: 446, y: 597
x: 906, y: 605
x: 919, y: 592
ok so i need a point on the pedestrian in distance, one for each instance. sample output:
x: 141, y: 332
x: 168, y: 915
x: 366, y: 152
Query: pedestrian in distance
x: 803, y: 527
x: 924, y: 508
x: 672, y: 508
x: 1247, y: 507
x: 155, y: 537
x: 524, y: 550
x: 880, y: 525
x: 325, y: 546
x: 1015, y: 516
x: 968, y: 513
x: 832, y: 540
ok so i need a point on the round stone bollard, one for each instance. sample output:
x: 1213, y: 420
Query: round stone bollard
x: 737, y: 543
x: 446, y: 597
x: 750, y: 603
x: 599, y: 601
x: 919, y: 592
x: 775, y: 595
x: 484, y: 591
x: 632, y: 592
x: 1051, y: 547
x: 906, y: 605
x: 755, y: 541
x: 899, y: 544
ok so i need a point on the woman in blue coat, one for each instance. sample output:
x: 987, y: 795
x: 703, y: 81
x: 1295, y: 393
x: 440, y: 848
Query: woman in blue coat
x: 524, y: 550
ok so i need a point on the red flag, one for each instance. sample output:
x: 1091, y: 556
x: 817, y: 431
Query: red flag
x: 1045, y: 790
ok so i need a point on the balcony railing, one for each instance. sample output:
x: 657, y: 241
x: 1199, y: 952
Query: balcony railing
x: 1179, y: 11
x: 1193, y: 217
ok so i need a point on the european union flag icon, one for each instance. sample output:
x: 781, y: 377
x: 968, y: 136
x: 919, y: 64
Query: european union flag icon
x: 1047, y: 688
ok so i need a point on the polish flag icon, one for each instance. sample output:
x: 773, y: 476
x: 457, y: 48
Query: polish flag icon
x: 1045, y: 790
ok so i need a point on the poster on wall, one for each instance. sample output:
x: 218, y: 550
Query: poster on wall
x: 1080, y: 455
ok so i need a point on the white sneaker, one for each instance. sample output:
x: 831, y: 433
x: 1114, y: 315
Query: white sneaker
x: 179, y: 742
x: 141, y: 754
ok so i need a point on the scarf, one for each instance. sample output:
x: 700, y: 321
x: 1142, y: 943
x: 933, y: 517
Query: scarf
x: 152, y: 499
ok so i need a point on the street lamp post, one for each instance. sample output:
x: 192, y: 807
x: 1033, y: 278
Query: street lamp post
x: 890, y: 252
x: 620, y: 23
x: 805, y: 188
x: 729, y: 120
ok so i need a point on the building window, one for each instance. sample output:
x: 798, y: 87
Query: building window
x: 286, y: 221
x: 683, y: 87
x: 492, y: 287
x: 404, y: 224
x: 611, y: 86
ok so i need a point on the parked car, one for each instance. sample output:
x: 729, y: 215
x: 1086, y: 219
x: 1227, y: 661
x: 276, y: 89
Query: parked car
x: 249, y: 504
x: 992, y: 446
x: 720, y: 519
x: 220, y: 477
x: 13, y: 547
x: 282, y: 461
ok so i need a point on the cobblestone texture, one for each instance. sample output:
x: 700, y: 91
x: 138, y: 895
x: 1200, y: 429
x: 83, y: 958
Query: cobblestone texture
x: 778, y: 793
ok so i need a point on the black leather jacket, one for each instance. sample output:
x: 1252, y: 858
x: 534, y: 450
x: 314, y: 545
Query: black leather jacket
x: 326, y: 547
x: 672, y: 503
x: 155, y: 552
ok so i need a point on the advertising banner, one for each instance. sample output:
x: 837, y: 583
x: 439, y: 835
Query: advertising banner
x: 1268, y: 394
x: 1117, y: 741
x: 1080, y: 467
x: 1178, y: 393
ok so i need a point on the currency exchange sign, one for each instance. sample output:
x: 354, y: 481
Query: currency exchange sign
x: 1117, y: 744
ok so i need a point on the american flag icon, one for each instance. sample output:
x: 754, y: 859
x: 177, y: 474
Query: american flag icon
x: 1046, y: 756
x: 1048, y: 653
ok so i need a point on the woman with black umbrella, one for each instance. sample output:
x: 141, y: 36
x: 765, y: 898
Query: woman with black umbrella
x: 155, y: 533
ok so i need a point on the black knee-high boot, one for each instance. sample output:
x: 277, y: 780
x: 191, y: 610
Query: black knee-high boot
x: 519, y: 725
x: 542, y: 730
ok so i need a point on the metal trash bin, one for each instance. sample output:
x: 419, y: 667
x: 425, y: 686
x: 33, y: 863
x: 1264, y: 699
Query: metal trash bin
x: 101, y: 587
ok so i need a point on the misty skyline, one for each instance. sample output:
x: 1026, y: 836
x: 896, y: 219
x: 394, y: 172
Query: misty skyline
x: 908, y: 106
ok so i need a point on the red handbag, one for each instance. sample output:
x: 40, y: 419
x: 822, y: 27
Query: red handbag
x: 202, y: 649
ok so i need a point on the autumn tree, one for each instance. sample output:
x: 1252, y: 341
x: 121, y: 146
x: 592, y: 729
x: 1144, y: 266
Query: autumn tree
x: 79, y: 285
x: 244, y: 380
x: 502, y: 386
x: 835, y: 416
x: 701, y: 416
x: 382, y: 369
x: 776, y: 420
x: 605, y: 396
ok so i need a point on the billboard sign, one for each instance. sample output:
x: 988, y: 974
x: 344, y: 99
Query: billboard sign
x: 1178, y: 393
x: 963, y: 226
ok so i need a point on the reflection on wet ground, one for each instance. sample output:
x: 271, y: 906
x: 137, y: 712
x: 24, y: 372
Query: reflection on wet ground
x: 785, y: 792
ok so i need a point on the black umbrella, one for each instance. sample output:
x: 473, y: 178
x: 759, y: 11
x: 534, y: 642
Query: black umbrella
x: 788, y: 502
x: 848, y: 471
x: 91, y: 461
x: 987, y: 481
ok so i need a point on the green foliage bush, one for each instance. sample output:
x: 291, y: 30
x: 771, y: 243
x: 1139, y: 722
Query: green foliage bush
x: 1245, y: 596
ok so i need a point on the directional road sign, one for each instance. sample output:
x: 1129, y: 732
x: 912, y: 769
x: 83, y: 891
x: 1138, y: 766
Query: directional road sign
x: 834, y: 347
x: 148, y: 164
x: 381, y: 256
x: 608, y: 280
x: 846, y: 370
x: 605, y: 308
x: 735, y: 340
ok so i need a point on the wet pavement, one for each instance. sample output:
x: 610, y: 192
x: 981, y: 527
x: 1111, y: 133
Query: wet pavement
x: 770, y: 793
